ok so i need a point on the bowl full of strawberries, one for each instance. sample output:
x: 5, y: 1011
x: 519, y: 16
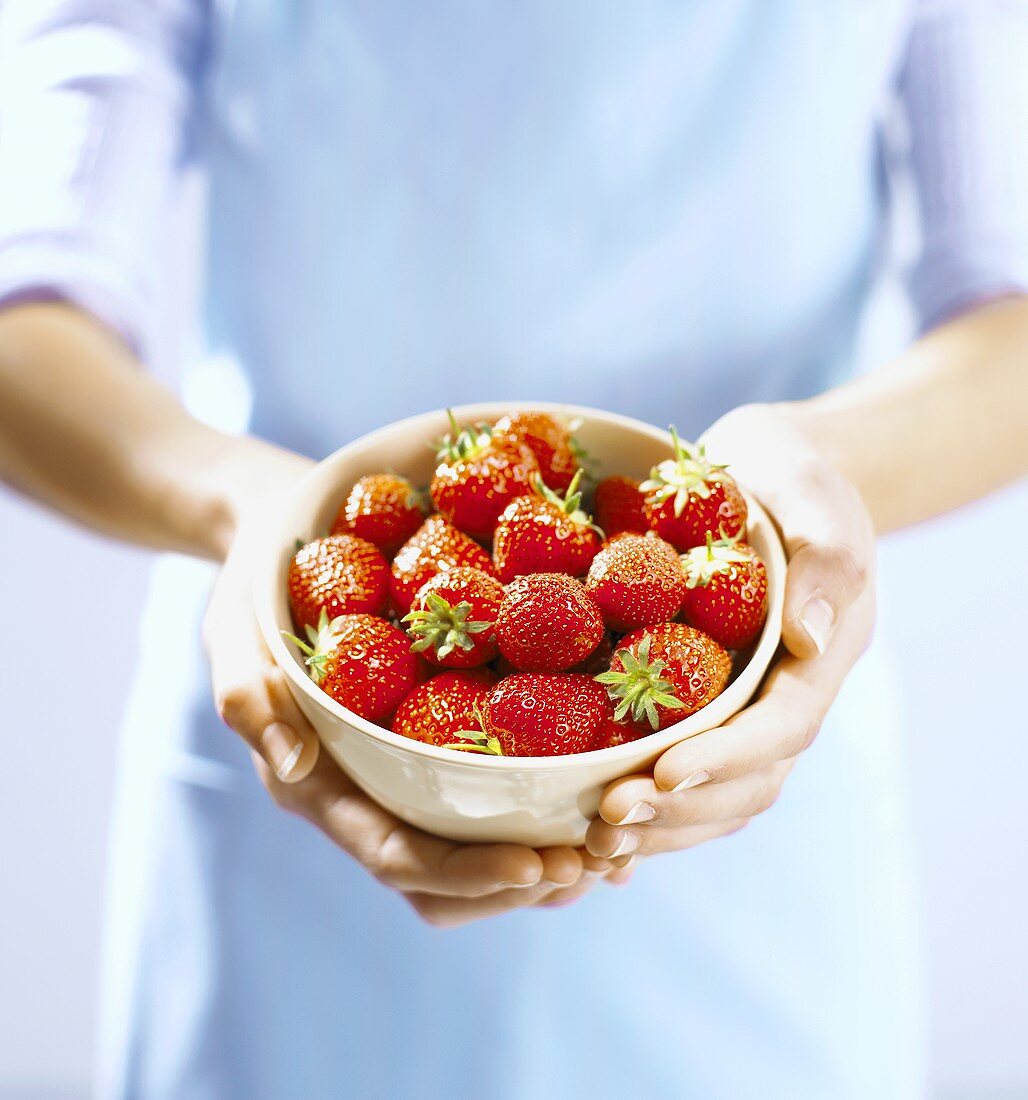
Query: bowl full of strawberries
x: 490, y: 613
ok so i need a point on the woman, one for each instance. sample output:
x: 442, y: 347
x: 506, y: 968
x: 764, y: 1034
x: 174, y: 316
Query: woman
x: 674, y: 213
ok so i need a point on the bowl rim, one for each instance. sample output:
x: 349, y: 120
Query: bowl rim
x: 265, y: 580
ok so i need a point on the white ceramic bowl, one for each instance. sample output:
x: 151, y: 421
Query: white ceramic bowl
x: 468, y: 796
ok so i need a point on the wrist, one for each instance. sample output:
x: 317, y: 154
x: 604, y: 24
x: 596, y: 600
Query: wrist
x: 230, y: 481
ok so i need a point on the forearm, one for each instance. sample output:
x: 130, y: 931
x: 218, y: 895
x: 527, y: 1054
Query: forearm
x: 940, y: 426
x: 84, y: 430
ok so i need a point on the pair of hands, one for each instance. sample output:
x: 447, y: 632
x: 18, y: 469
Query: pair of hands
x: 700, y: 789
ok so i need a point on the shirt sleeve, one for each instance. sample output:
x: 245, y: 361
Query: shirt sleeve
x: 964, y: 86
x: 97, y: 106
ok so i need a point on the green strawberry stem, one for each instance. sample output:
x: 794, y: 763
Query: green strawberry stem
x: 640, y: 688
x: 443, y: 626
x: 477, y: 740
x: 585, y: 460
x: 702, y: 564
x: 570, y: 503
x: 688, y: 473
x: 460, y: 443
x: 323, y: 641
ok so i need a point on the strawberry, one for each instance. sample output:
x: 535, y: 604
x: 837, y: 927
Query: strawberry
x: 452, y: 618
x: 547, y: 622
x: 599, y: 659
x: 725, y: 591
x: 637, y: 580
x: 340, y: 575
x: 438, y: 710
x: 540, y: 714
x: 549, y: 440
x: 383, y: 509
x: 621, y: 733
x: 478, y: 476
x: 363, y: 662
x: 545, y: 533
x: 620, y: 505
x: 687, y: 496
x: 435, y: 547
x: 662, y: 674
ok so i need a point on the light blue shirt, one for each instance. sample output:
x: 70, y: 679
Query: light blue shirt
x: 667, y: 210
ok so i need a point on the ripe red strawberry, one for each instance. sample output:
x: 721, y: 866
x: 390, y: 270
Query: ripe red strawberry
x: 478, y: 476
x: 547, y: 623
x: 687, y: 496
x: 541, y: 714
x: 383, y: 509
x: 452, y: 618
x: 363, y: 662
x: 549, y: 440
x: 440, y: 709
x: 725, y: 591
x: 435, y: 547
x: 599, y: 660
x: 662, y: 674
x: 637, y: 580
x: 340, y: 575
x: 620, y: 505
x: 545, y: 533
x: 621, y: 733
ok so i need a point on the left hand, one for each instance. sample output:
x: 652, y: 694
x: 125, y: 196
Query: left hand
x: 714, y: 783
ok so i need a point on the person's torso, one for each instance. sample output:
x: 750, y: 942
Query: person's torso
x: 666, y: 209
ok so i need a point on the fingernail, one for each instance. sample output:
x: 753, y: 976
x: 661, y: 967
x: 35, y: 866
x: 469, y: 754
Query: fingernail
x: 816, y: 619
x: 517, y: 885
x: 640, y: 813
x: 693, y: 780
x: 626, y: 865
x: 554, y: 885
x: 283, y: 745
x: 627, y: 843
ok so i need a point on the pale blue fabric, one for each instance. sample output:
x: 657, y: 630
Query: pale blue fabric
x: 665, y: 210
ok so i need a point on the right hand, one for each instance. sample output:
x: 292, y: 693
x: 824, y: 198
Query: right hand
x: 447, y: 883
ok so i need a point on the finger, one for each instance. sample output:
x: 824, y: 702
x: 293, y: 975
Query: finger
x: 782, y: 723
x: 621, y: 873
x: 406, y: 858
x: 747, y: 796
x: 561, y: 899
x: 830, y: 545
x: 449, y: 912
x: 253, y: 698
x: 641, y: 841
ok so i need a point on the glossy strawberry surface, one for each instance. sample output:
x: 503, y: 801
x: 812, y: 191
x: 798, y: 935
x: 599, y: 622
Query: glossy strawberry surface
x: 472, y: 490
x: 452, y: 618
x: 545, y: 714
x: 338, y: 574
x: 383, y: 509
x: 549, y: 440
x: 688, y: 496
x: 636, y: 580
x: 364, y: 663
x: 599, y: 659
x: 662, y: 674
x: 544, y: 533
x: 726, y: 591
x: 619, y: 505
x: 547, y: 622
x: 721, y: 510
x: 436, y: 547
x: 437, y: 710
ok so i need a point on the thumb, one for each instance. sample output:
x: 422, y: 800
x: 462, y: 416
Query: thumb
x: 251, y: 693
x: 822, y: 580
